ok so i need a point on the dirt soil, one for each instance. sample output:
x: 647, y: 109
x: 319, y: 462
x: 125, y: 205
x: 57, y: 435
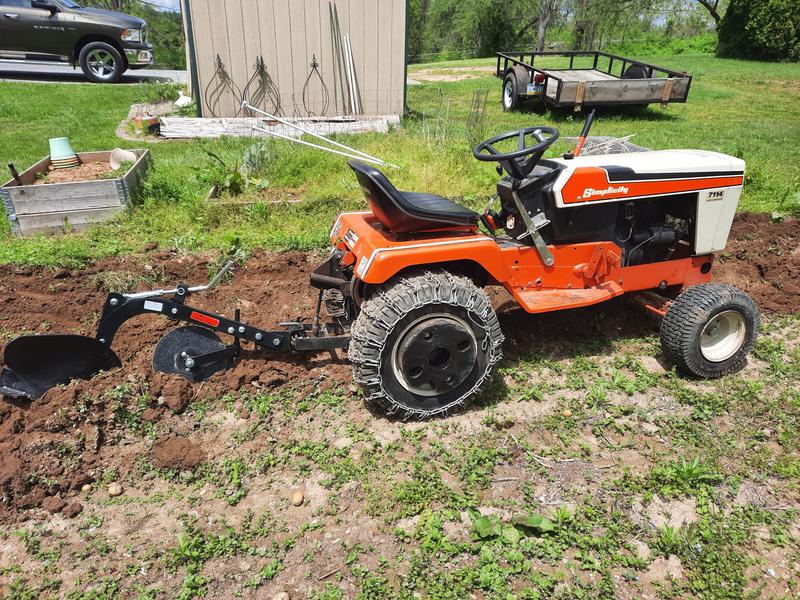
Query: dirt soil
x: 450, y: 74
x: 84, y: 172
x: 75, y: 436
x: 762, y: 258
x: 272, y: 288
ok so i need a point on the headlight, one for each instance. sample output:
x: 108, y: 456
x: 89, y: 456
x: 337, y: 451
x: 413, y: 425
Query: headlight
x: 132, y: 35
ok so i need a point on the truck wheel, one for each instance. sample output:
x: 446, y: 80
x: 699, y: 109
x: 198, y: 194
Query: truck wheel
x: 424, y: 343
x: 101, y: 62
x: 510, y: 92
x: 709, y: 329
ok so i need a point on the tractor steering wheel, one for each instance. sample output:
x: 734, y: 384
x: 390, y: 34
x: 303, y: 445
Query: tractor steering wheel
x: 515, y: 163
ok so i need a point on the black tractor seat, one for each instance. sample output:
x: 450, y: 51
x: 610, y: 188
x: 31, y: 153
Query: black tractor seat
x: 405, y: 212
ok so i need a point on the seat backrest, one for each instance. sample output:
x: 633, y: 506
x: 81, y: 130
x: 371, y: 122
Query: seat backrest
x: 386, y: 203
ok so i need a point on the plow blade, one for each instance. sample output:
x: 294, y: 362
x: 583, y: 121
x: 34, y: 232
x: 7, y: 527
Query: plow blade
x: 34, y: 364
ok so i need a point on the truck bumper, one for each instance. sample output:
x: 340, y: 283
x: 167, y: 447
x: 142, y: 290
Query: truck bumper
x: 139, y: 57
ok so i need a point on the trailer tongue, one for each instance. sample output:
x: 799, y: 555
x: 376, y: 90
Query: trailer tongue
x: 35, y: 364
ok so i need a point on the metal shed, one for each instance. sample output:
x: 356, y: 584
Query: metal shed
x: 262, y: 51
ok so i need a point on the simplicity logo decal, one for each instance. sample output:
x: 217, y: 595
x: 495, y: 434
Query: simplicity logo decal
x: 589, y: 193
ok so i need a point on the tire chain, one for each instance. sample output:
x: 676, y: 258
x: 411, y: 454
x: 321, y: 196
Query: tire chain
x: 391, y: 303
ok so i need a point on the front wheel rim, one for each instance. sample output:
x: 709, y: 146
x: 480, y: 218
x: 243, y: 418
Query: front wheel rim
x: 101, y: 63
x: 723, y: 336
x: 435, y: 354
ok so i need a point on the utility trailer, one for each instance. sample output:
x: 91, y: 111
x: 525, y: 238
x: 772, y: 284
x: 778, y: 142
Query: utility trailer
x: 589, y: 79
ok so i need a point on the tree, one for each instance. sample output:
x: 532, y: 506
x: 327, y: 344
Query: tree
x: 760, y: 29
x: 546, y: 10
x: 713, y: 9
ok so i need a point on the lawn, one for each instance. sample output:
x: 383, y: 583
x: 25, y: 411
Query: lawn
x: 587, y: 468
x: 747, y: 109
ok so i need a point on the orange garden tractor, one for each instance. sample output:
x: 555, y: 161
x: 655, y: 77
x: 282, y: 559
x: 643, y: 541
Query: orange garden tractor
x: 404, y: 285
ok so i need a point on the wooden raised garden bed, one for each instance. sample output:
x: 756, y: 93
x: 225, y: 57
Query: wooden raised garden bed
x: 59, y: 207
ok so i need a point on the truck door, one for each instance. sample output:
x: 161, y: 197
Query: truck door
x: 30, y: 30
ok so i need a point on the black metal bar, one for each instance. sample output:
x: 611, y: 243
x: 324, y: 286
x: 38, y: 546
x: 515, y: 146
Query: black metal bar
x: 593, y: 53
x: 202, y: 361
x: 315, y: 344
x: 117, y: 310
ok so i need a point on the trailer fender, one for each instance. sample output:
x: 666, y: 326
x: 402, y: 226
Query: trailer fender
x: 523, y: 76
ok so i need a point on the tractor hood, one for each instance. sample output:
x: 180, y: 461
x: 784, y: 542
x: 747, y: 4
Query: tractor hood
x: 615, y: 177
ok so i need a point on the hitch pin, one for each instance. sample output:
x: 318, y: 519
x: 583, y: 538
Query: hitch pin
x: 198, y: 288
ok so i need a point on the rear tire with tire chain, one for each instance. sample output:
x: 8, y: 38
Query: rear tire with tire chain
x: 435, y: 322
x: 702, y: 312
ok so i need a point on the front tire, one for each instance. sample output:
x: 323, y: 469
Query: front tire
x: 424, y: 343
x: 101, y: 62
x: 709, y: 330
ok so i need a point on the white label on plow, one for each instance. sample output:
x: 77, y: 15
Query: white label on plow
x: 153, y: 306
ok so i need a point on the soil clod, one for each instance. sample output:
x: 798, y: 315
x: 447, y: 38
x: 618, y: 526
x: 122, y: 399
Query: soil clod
x: 177, y: 453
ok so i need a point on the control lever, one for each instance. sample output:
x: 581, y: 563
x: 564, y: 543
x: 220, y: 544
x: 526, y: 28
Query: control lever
x: 194, y: 289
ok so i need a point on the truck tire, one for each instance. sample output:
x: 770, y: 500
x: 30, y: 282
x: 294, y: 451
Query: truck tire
x: 510, y: 92
x: 101, y: 62
x: 424, y: 343
x: 709, y: 330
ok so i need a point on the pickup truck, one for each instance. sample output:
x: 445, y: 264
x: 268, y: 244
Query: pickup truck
x: 103, y: 43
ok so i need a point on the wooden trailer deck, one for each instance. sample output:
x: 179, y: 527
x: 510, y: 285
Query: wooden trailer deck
x: 587, y: 79
x: 580, y: 75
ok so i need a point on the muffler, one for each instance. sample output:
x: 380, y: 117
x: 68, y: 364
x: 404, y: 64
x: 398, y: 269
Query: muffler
x: 34, y: 364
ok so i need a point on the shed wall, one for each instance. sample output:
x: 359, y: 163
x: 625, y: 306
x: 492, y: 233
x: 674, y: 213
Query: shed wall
x: 287, y: 34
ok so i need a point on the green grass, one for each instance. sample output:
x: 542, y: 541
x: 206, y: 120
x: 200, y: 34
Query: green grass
x: 747, y: 109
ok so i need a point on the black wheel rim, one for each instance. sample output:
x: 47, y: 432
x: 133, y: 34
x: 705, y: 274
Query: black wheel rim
x: 435, y: 354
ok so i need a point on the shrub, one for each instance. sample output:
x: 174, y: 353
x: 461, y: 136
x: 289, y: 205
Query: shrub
x: 760, y: 30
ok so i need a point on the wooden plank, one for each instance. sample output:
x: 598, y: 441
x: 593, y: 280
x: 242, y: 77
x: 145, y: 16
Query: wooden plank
x: 269, y: 43
x: 357, y: 42
x: 28, y: 176
x: 131, y: 181
x: 385, y: 56
x: 252, y: 38
x: 582, y: 75
x: 36, y: 199
x: 397, y: 8
x: 78, y: 220
x: 667, y: 93
x: 579, y: 94
x: 372, y: 58
x: 204, y: 48
x: 220, y: 101
x: 238, y: 65
x: 300, y: 62
x: 284, y: 54
x: 315, y: 47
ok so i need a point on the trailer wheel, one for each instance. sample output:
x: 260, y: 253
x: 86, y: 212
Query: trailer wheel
x: 424, y: 343
x: 709, y: 329
x: 510, y: 92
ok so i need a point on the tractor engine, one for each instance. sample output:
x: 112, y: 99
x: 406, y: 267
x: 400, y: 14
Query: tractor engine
x: 656, y: 206
x: 654, y: 230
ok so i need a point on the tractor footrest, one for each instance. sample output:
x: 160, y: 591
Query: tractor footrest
x: 538, y: 301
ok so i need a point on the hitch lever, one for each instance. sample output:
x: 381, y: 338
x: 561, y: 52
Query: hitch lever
x: 194, y: 289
